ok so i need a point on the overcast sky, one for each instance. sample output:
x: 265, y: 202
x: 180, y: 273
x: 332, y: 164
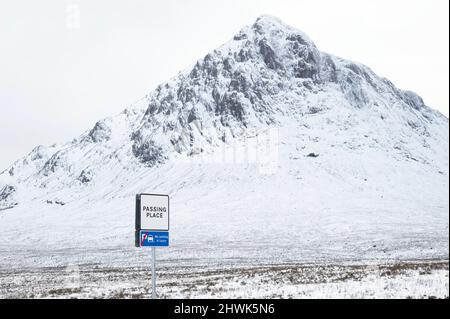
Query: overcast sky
x: 64, y: 64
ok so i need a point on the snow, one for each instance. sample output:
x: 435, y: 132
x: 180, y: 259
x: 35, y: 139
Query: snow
x: 228, y: 139
x: 405, y: 280
x: 365, y: 206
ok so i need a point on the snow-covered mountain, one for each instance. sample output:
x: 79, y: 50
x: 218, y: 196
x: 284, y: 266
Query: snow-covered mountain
x: 266, y: 141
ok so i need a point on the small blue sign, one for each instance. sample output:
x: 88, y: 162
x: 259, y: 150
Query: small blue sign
x: 154, y: 238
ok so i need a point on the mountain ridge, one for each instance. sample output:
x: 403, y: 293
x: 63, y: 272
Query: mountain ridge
x: 216, y: 94
x: 266, y: 124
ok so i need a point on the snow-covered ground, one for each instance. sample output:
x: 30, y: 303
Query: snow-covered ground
x: 397, y: 280
x: 368, y: 206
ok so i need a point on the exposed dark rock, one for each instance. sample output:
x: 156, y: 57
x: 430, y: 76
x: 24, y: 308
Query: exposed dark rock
x: 85, y: 176
x: 313, y: 155
x: 305, y: 70
x: 240, y: 36
x: 37, y: 153
x: 298, y: 39
x: 314, y: 109
x: 100, y: 132
x: 268, y: 55
x: 51, y: 165
x: 231, y: 104
x: 55, y: 202
x: 413, y: 100
x: 147, y: 151
x: 6, y: 192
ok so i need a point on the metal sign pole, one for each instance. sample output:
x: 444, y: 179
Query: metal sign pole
x: 153, y: 273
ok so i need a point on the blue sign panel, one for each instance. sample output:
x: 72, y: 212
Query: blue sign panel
x: 154, y: 238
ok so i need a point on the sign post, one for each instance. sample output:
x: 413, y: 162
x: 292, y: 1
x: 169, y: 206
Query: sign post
x: 152, y: 226
x: 153, y: 273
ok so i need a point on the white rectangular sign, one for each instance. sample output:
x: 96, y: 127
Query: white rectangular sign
x: 154, y: 212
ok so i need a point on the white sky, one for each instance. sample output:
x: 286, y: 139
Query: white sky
x: 58, y: 76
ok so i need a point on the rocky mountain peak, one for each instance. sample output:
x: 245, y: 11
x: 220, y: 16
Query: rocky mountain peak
x: 268, y: 75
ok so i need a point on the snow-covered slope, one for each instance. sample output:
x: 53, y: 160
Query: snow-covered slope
x: 265, y: 142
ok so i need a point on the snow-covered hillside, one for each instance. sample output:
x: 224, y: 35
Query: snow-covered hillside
x: 268, y: 147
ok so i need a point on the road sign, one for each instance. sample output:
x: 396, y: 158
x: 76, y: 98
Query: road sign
x: 153, y: 212
x: 152, y: 226
x: 154, y: 239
